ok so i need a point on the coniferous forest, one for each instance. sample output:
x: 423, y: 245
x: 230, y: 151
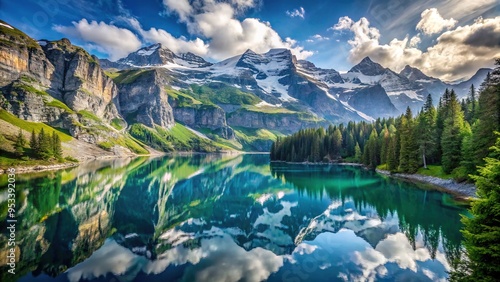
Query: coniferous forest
x: 460, y: 137
x: 456, y: 135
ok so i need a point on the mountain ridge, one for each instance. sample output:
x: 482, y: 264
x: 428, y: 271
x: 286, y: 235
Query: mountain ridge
x: 155, y: 97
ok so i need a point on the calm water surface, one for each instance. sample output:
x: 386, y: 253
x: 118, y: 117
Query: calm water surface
x: 228, y: 218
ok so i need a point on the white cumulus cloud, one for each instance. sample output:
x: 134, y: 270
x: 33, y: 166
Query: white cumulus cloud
x: 415, y: 40
x: 457, y: 53
x: 176, y: 44
x: 227, y: 36
x: 432, y: 22
x: 214, y: 28
x: 181, y: 7
x: 300, y: 12
x: 114, y: 41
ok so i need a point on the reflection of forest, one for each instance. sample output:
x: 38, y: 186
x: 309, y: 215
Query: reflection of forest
x: 417, y: 209
x: 67, y: 215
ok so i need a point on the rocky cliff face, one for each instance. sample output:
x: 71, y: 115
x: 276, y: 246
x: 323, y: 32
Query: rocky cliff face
x: 371, y: 100
x: 205, y: 116
x: 20, y: 54
x: 79, y: 81
x: 29, y: 103
x: 284, y: 122
x: 29, y: 70
x: 143, y: 99
x: 59, y: 84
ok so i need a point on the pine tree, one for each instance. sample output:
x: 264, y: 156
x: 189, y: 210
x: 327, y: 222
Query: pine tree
x: 20, y: 143
x: 489, y: 119
x: 427, y: 130
x: 482, y: 230
x: 472, y: 99
x: 408, y: 157
x: 468, y: 150
x: 384, y: 145
x: 357, y: 153
x: 373, y: 149
x: 56, y: 146
x: 392, y: 157
x: 440, y: 117
x: 34, y: 143
x: 451, y: 141
x: 44, y: 141
x: 337, y: 143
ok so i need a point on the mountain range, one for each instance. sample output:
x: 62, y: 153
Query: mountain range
x: 155, y: 99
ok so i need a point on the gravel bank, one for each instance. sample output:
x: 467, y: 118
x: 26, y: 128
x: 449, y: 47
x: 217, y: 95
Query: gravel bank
x: 449, y: 185
x: 39, y: 168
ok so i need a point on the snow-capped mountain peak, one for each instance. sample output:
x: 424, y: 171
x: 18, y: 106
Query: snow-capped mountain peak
x: 368, y: 67
x: 148, y: 50
x: 366, y: 91
x: 414, y: 74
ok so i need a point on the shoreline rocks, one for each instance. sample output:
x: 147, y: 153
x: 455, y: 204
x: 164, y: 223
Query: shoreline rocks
x: 448, y: 185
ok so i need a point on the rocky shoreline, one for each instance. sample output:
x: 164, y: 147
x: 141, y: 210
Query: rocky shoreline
x: 49, y: 167
x: 467, y: 190
x: 463, y: 190
x: 39, y: 168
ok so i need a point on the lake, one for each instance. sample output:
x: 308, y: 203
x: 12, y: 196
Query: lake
x: 228, y: 218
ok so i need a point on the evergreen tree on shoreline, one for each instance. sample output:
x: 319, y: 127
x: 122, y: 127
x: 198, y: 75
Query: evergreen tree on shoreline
x: 34, y: 143
x: 20, y: 143
x: 482, y: 230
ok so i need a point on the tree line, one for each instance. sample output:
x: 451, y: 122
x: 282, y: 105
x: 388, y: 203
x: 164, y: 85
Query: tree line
x: 461, y: 136
x: 44, y: 146
x: 455, y: 134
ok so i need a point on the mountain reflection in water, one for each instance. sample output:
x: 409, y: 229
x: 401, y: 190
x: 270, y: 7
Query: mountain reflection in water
x: 228, y: 218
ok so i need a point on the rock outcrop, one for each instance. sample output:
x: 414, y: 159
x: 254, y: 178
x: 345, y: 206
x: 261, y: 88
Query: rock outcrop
x: 206, y: 116
x: 143, y: 99
x: 79, y: 81
x: 285, y: 122
x: 20, y: 54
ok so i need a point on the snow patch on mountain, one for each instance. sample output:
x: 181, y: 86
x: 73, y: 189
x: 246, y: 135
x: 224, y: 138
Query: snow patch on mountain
x: 6, y: 25
x: 361, y: 114
x: 147, y: 51
x: 410, y: 93
x: 366, y: 79
x: 272, y: 85
x: 266, y: 104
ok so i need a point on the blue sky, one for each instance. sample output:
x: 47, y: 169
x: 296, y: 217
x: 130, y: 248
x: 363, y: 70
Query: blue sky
x: 449, y: 39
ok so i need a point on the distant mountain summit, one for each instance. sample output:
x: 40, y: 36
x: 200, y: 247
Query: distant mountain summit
x: 414, y: 74
x: 280, y: 79
x: 368, y: 67
x: 157, y: 55
x: 246, y: 100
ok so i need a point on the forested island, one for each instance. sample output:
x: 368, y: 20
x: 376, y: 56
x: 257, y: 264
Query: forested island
x: 459, y: 138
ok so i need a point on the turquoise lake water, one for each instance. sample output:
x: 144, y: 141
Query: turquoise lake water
x: 228, y: 218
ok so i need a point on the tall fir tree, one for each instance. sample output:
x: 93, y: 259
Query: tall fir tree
x: 373, y: 150
x: 44, y: 143
x: 426, y: 130
x: 482, y: 230
x: 337, y: 143
x: 451, y: 141
x: 384, y: 144
x: 408, y: 157
x: 472, y: 110
x: 488, y: 117
x: 20, y: 143
x: 34, y: 143
x: 357, y: 153
x: 56, y: 146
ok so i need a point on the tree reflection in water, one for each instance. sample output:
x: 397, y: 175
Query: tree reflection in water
x: 229, y: 217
